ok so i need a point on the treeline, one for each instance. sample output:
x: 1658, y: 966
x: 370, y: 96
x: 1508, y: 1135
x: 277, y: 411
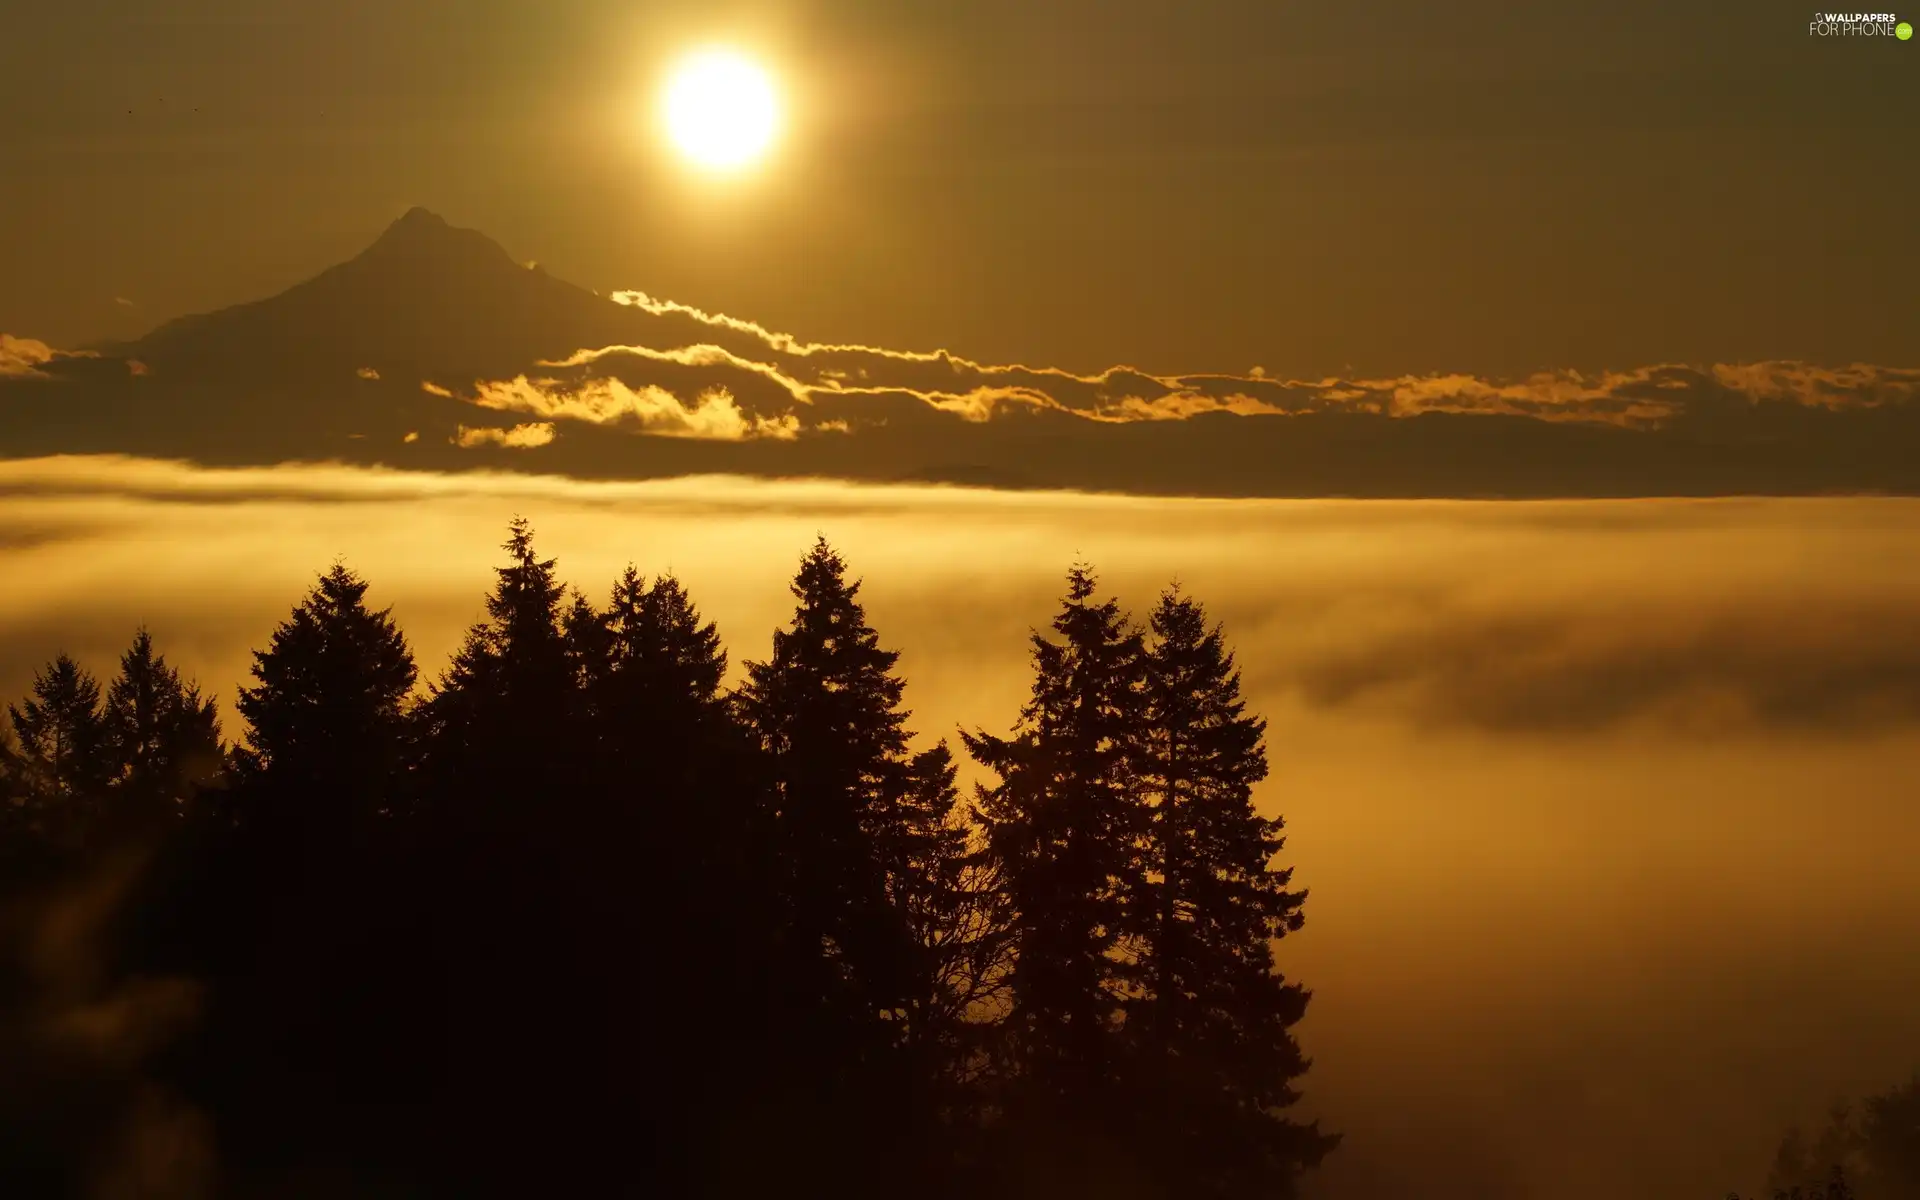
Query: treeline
x: 576, y: 919
x: 1869, y: 1151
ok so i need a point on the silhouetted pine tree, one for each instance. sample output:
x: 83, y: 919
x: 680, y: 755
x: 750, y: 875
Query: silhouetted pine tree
x: 25, y: 852
x: 12, y: 783
x: 292, y: 894
x: 682, y: 879
x: 945, y: 884
x: 502, y: 720
x: 944, y: 887
x: 327, y: 712
x: 588, y: 643
x: 62, y: 767
x: 520, y: 841
x: 660, y: 685
x: 162, y: 736
x: 1062, y: 821
x: 1208, y: 1017
x: 668, y: 744
x: 825, y: 709
x: 1890, y: 1142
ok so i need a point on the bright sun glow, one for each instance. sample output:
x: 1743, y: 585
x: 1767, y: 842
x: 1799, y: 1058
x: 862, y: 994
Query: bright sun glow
x: 721, y: 110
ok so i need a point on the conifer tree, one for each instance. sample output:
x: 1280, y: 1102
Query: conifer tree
x: 162, y: 735
x: 681, y: 898
x: 946, y: 887
x: 62, y: 765
x: 1061, y: 820
x: 12, y: 779
x: 892, y: 910
x: 660, y: 685
x: 519, y: 838
x: 588, y: 644
x: 291, y: 900
x: 826, y: 711
x: 1874, y: 1146
x: 504, y: 712
x: 1890, y: 1142
x: 16, y: 815
x: 1209, y: 1018
x: 327, y: 712
x: 921, y: 847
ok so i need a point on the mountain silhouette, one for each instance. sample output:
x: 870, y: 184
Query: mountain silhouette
x: 426, y: 299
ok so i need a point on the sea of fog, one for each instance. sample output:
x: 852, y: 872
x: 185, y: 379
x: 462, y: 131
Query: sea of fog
x: 1608, y: 809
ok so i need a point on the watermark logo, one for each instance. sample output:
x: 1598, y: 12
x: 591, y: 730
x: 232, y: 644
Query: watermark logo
x: 1826, y: 24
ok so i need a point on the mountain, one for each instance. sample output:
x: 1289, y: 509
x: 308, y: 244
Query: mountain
x: 425, y: 300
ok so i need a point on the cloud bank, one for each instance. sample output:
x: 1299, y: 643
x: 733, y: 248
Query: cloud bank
x: 819, y: 374
x: 1702, y: 618
x: 520, y: 437
x: 23, y: 356
x: 714, y: 414
x: 737, y: 381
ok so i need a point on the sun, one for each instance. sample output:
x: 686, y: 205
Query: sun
x: 721, y: 109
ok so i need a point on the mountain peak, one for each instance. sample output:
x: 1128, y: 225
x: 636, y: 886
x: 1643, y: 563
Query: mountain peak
x: 426, y: 299
x: 423, y: 233
x: 419, y: 218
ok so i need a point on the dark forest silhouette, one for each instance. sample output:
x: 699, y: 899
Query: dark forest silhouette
x: 576, y: 919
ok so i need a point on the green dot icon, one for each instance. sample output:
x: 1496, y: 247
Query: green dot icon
x: 1903, y: 31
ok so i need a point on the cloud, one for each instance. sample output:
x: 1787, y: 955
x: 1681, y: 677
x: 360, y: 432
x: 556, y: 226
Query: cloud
x: 771, y: 373
x: 1705, y: 667
x: 123, y: 302
x: 367, y: 373
x: 1667, y: 429
x: 1643, y: 397
x: 977, y: 405
x: 23, y: 357
x: 714, y: 415
x: 695, y: 356
x: 1823, y: 387
x: 1540, y: 618
x: 520, y: 437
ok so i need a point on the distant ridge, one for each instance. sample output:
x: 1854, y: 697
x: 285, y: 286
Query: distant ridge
x: 426, y: 298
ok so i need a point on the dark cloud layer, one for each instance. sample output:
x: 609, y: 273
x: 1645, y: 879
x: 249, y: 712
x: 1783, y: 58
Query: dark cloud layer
x: 1851, y: 668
